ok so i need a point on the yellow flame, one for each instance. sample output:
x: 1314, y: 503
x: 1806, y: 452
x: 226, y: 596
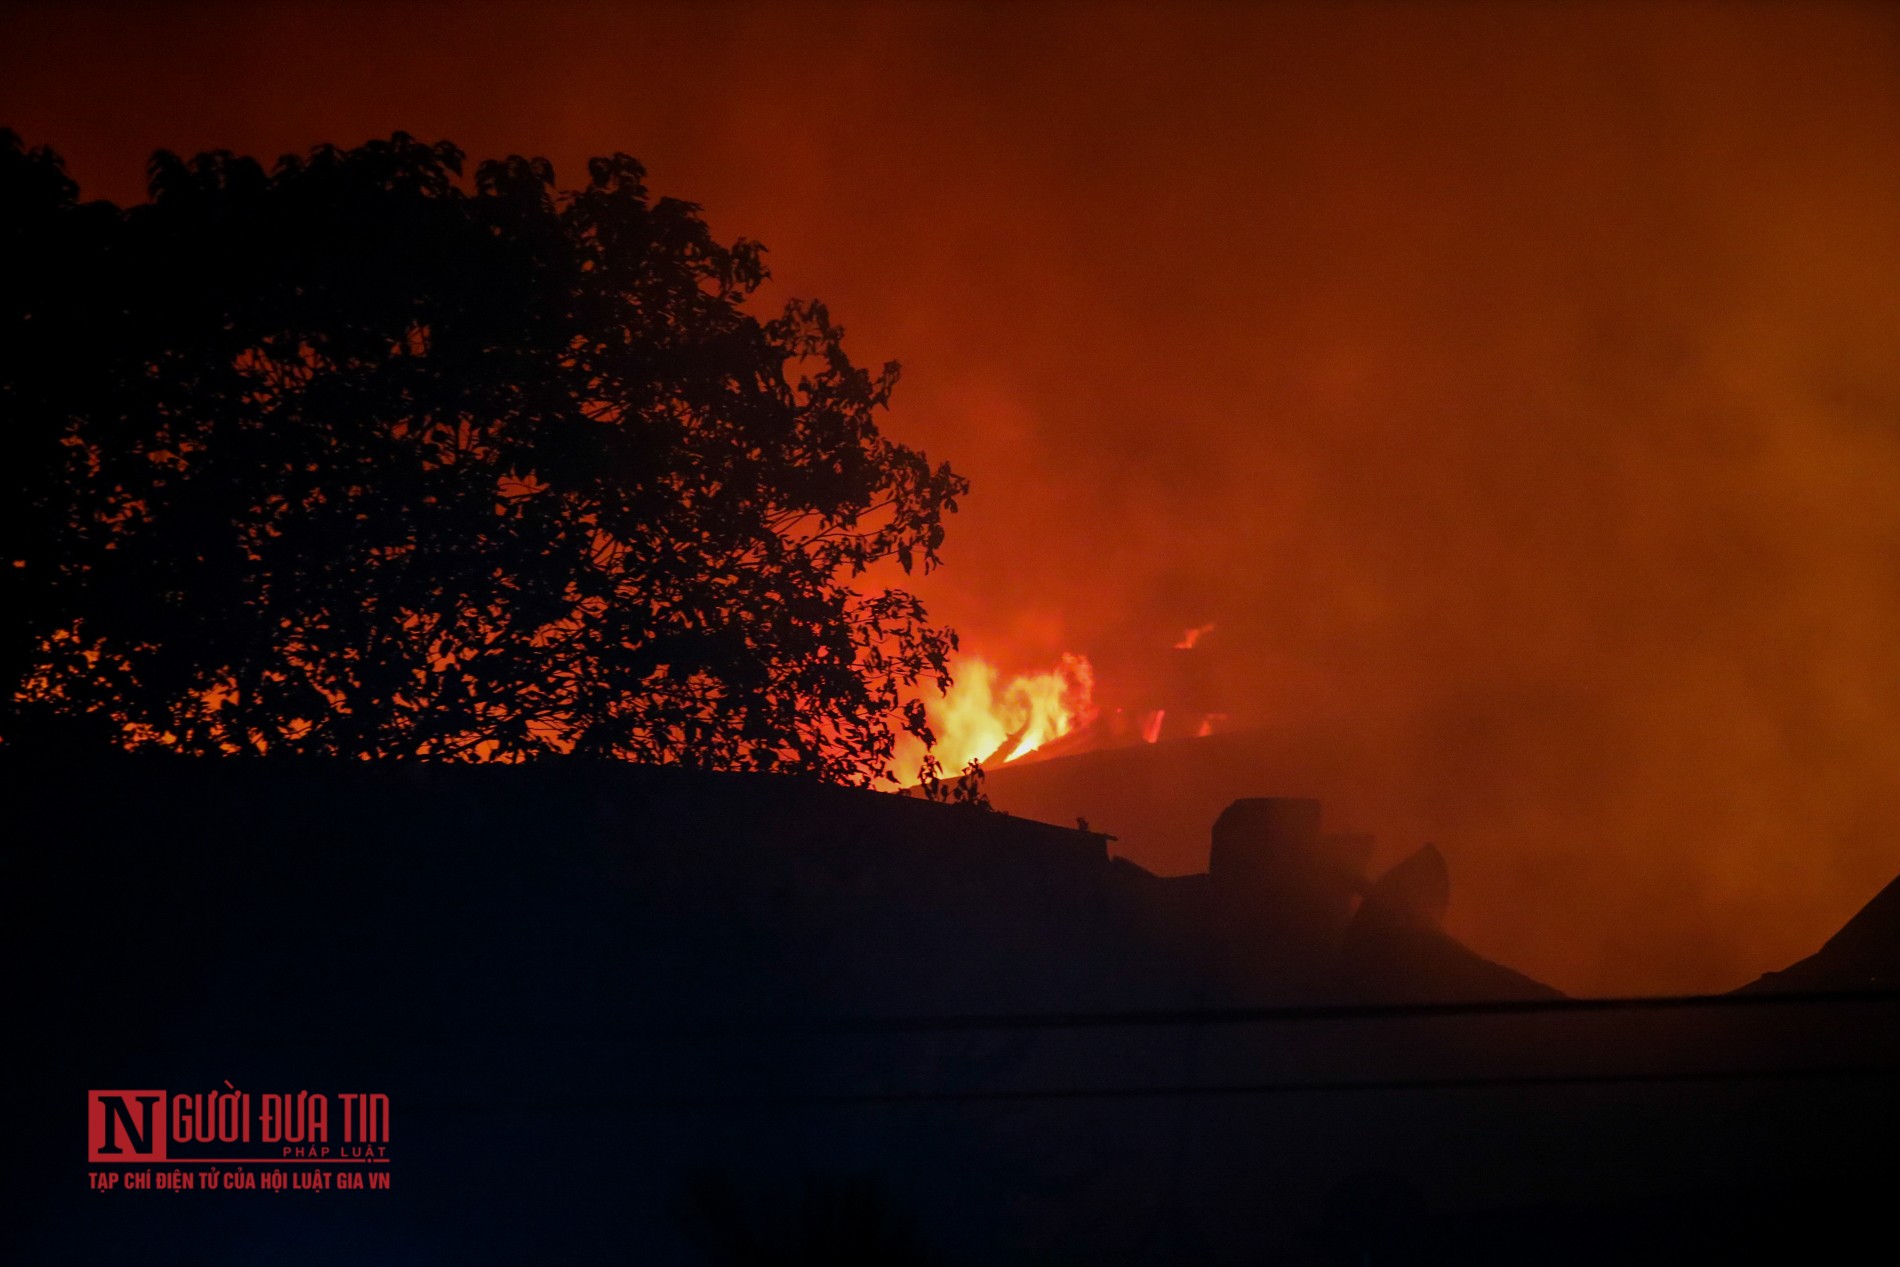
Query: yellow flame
x: 982, y: 715
x: 1052, y: 703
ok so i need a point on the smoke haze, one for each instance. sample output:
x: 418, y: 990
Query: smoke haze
x: 1514, y: 389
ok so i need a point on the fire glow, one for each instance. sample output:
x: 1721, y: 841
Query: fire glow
x: 983, y: 717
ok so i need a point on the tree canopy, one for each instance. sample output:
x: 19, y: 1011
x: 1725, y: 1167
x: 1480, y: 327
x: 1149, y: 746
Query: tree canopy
x: 354, y: 456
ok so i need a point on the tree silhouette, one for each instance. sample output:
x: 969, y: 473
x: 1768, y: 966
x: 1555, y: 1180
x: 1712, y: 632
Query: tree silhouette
x: 353, y: 457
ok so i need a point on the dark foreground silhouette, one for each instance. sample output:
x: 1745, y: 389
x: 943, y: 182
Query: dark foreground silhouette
x: 647, y: 1017
x: 348, y: 455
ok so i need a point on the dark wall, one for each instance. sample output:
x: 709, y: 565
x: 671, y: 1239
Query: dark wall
x: 628, y: 1015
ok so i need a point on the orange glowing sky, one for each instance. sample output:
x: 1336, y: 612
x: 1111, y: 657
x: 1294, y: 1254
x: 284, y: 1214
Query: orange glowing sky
x: 1515, y: 387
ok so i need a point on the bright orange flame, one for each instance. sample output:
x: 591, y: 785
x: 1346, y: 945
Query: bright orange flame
x: 1054, y: 703
x: 982, y: 716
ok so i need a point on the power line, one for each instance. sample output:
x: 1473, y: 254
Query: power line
x: 1006, y: 1095
x: 751, y: 1028
x: 1481, y: 1083
x: 1296, y: 1013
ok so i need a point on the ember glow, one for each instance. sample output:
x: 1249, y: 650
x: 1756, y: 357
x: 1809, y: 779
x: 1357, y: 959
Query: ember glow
x: 1192, y: 636
x: 985, y: 717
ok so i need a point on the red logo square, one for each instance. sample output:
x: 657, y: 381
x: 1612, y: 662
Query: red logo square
x: 125, y: 1126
